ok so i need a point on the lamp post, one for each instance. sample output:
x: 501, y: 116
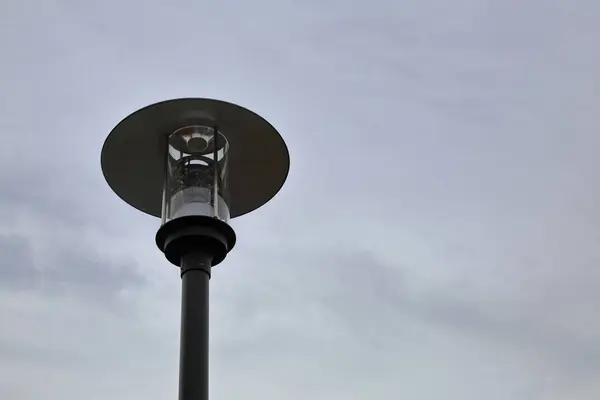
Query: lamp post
x: 195, y: 163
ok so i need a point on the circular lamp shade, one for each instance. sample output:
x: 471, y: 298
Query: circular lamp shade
x: 134, y: 162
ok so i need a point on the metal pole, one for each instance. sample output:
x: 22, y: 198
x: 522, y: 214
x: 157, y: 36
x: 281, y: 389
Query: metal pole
x: 193, y: 358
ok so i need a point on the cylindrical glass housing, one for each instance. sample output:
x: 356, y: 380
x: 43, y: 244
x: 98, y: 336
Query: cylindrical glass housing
x: 196, y: 174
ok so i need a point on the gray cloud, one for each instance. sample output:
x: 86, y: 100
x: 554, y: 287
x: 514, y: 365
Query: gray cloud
x: 365, y: 298
x: 436, y: 236
x: 17, y: 268
x: 64, y: 269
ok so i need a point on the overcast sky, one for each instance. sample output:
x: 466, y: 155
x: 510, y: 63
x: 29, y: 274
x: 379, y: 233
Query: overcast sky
x: 437, y: 237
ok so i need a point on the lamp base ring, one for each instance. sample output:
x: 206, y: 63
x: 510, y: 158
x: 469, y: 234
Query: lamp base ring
x: 194, y: 233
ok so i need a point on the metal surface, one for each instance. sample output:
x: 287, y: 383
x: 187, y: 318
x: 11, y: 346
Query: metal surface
x: 193, y: 358
x: 133, y: 159
x: 216, y: 172
x: 188, y: 234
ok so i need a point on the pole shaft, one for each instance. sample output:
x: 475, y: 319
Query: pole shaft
x: 193, y: 358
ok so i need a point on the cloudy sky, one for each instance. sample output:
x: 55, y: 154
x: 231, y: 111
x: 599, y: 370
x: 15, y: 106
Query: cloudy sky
x: 437, y: 237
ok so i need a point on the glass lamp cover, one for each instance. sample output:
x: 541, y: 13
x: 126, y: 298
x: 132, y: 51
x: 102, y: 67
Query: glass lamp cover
x: 196, y: 174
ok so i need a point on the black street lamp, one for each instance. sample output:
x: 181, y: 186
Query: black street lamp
x: 195, y: 163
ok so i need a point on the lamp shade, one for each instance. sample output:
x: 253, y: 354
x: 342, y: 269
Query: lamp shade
x: 195, y: 156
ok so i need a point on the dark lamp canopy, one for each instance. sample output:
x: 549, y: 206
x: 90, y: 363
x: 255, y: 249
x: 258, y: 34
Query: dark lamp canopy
x: 134, y: 153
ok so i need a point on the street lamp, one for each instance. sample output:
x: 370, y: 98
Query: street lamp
x: 195, y: 163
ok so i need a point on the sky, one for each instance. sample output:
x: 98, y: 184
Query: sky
x: 437, y: 237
